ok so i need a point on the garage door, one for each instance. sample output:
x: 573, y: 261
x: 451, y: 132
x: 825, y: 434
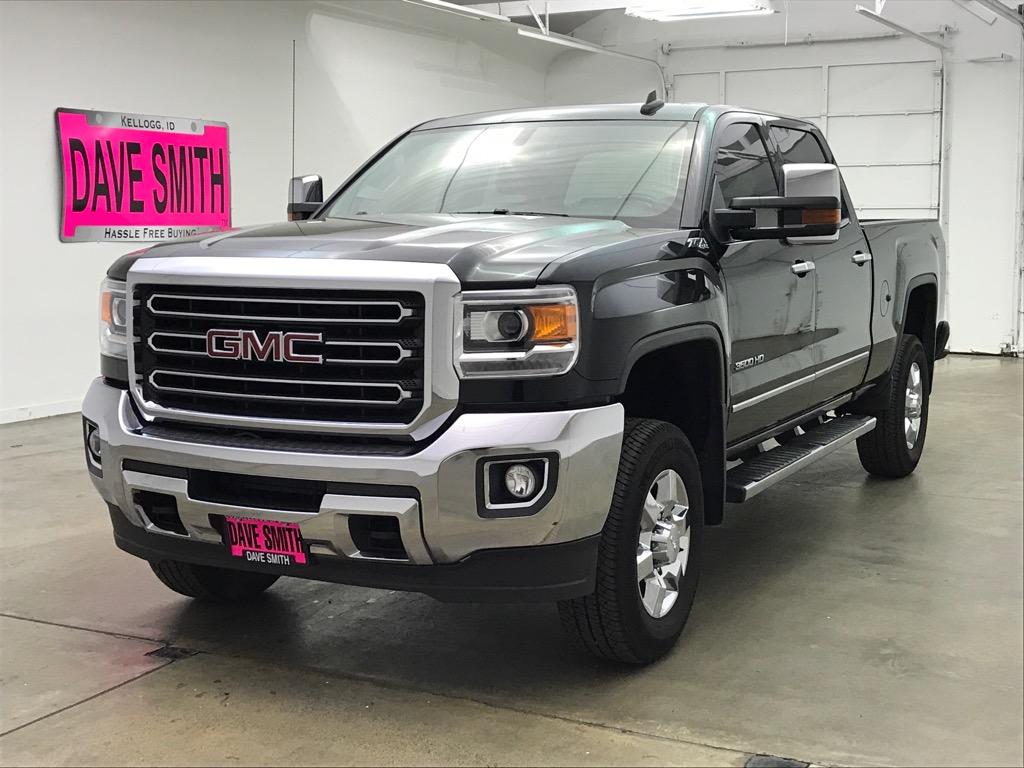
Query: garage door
x: 883, y: 121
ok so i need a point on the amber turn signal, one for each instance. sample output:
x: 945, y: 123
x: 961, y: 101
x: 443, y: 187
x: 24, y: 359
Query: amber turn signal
x: 553, y: 322
x: 820, y: 216
x: 106, y: 311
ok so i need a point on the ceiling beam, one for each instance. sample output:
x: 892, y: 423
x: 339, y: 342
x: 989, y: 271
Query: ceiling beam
x: 583, y: 45
x: 1007, y: 13
x: 466, y: 11
x: 522, y: 7
x: 898, y: 27
x: 977, y: 9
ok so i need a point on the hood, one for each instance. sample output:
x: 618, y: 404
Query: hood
x: 480, y: 249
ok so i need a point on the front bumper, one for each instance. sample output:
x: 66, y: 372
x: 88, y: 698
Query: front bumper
x: 452, y: 550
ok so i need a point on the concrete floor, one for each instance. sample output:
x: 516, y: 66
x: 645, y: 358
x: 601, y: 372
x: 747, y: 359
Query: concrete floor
x: 841, y: 620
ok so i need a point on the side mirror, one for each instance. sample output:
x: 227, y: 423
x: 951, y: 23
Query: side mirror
x: 305, y: 195
x: 809, y: 211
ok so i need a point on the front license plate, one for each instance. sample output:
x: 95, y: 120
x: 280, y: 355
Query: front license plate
x: 264, y: 541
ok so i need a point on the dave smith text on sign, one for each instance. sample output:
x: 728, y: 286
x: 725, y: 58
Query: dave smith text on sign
x: 136, y: 177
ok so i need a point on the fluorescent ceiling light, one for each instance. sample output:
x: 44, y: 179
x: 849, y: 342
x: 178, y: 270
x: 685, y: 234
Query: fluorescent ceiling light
x: 685, y: 10
x: 467, y: 11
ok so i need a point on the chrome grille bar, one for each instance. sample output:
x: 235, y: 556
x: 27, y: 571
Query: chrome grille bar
x: 401, y: 352
x: 403, y: 394
x: 165, y: 351
x: 402, y: 312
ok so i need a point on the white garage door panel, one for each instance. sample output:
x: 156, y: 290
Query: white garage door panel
x: 793, y: 91
x: 884, y: 139
x: 873, y: 88
x: 892, y: 187
x: 699, y: 87
x: 882, y: 120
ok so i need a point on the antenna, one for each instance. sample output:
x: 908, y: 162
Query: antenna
x: 652, y: 105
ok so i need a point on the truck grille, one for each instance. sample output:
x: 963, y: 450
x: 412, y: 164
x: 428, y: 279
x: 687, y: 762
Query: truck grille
x: 324, y: 355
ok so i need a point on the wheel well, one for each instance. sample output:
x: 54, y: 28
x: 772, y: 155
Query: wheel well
x: 682, y: 384
x: 919, y: 319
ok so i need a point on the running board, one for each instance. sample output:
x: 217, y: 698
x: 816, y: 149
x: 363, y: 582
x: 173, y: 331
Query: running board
x: 748, y: 479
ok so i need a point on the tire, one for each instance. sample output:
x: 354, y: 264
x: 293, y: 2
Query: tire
x: 885, y: 451
x: 218, y: 585
x: 613, y: 622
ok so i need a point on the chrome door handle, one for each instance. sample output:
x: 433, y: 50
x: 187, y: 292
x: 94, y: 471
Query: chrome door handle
x: 801, y: 268
x: 860, y: 258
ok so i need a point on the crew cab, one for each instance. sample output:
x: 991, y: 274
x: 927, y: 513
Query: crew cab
x: 516, y: 356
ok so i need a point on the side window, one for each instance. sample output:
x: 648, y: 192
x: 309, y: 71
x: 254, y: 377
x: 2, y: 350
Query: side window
x: 801, y: 147
x: 742, y: 168
x: 798, y: 146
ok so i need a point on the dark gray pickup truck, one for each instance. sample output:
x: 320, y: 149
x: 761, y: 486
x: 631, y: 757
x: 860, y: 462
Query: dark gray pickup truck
x: 516, y: 356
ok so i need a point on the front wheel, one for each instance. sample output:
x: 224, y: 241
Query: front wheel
x: 893, y: 448
x: 649, y: 553
x: 204, y: 582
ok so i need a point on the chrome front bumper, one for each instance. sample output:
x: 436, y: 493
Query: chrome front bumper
x: 440, y: 522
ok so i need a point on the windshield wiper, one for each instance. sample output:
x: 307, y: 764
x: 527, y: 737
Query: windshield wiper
x: 507, y: 212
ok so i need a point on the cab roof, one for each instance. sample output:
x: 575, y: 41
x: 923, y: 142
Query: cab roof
x: 688, y: 112
x: 668, y: 113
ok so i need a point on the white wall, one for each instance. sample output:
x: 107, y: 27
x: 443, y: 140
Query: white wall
x: 365, y: 72
x: 368, y: 69
x: 983, y: 138
x: 158, y: 58
x: 372, y: 70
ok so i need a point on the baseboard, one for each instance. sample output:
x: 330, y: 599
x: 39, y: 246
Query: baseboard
x: 10, y: 415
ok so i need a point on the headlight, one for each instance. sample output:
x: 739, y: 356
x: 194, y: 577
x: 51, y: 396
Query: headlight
x: 113, y: 319
x: 516, y: 333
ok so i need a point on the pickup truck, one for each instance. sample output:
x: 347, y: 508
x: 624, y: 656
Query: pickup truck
x: 516, y: 356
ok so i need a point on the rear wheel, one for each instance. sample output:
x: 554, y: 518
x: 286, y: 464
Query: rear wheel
x: 894, y: 447
x: 205, y: 582
x: 649, y: 554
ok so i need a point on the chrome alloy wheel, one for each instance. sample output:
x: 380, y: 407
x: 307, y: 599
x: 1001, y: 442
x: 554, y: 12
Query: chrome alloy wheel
x: 663, y: 548
x: 913, y: 406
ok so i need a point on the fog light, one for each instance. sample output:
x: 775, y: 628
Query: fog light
x: 95, y: 447
x: 520, y: 481
x: 514, y: 486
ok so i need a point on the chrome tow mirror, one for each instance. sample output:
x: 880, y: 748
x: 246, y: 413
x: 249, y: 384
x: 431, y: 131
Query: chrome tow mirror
x: 305, y: 195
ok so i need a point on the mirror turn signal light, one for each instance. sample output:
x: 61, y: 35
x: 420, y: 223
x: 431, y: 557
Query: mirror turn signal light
x: 811, y: 216
x: 553, y: 322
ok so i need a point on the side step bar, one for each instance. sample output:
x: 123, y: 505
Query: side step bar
x: 748, y: 479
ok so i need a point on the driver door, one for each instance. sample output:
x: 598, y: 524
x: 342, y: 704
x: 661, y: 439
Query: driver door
x: 771, y: 308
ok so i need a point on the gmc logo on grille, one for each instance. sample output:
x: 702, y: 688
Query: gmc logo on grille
x: 278, y: 346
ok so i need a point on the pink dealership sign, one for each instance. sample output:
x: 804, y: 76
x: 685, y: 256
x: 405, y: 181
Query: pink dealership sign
x: 141, y: 177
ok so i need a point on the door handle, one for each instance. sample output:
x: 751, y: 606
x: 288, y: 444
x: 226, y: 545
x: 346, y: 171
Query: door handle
x: 860, y: 258
x: 801, y: 268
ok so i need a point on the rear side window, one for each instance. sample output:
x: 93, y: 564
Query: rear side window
x: 798, y: 146
x: 742, y: 168
x: 802, y: 147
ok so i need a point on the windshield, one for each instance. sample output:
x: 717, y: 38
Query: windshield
x: 622, y: 169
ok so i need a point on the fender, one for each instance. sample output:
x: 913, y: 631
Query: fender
x: 873, y: 401
x: 710, y: 431
x: 903, y: 297
x: 703, y: 331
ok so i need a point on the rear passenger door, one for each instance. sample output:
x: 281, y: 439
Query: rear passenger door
x: 842, y: 303
x: 770, y: 308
